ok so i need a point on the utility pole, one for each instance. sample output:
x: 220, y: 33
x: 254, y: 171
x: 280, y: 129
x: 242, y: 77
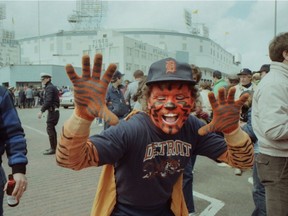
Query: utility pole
x: 275, y: 19
x: 39, y: 49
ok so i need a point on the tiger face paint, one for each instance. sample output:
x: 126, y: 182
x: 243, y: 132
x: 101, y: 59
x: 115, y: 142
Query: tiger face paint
x: 169, y: 105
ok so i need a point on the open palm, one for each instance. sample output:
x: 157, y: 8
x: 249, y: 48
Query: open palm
x: 226, y: 112
x: 90, y: 90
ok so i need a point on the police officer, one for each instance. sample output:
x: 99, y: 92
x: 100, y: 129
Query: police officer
x: 51, y: 104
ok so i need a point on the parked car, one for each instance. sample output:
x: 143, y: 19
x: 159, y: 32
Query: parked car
x: 67, y: 100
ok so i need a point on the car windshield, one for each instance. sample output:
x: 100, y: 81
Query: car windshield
x: 67, y: 94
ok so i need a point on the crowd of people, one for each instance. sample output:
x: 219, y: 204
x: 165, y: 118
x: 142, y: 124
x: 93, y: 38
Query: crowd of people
x: 29, y: 96
x: 156, y: 125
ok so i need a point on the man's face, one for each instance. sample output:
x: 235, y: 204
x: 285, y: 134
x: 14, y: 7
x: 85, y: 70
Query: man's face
x: 169, y: 105
x: 119, y: 81
x: 263, y: 73
x: 245, y: 79
x: 44, y: 80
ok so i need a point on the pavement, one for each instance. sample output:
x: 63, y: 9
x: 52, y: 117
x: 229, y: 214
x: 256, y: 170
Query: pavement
x: 52, y: 190
x: 57, y: 191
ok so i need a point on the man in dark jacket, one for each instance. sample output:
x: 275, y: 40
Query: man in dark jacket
x: 115, y: 99
x: 13, y: 142
x: 51, y: 104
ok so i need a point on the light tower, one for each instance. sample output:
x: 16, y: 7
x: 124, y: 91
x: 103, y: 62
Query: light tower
x: 195, y: 28
x: 88, y: 15
x: 6, y: 36
x: 2, y: 15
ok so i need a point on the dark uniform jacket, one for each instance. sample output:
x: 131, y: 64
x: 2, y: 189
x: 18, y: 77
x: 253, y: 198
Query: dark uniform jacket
x: 51, y: 98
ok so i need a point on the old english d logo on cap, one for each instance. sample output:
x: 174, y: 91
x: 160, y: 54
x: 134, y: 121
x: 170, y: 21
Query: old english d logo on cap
x: 169, y: 70
x: 170, y: 66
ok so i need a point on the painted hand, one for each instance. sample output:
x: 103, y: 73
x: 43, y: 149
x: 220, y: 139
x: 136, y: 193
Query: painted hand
x: 90, y: 90
x: 226, y: 112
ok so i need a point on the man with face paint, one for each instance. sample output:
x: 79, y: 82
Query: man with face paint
x: 144, y: 157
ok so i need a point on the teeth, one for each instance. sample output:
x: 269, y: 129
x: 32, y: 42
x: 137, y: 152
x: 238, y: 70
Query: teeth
x: 170, y: 118
x: 170, y: 115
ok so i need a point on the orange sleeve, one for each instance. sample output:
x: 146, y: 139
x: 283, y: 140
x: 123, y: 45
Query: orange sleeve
x: 74, y: 149
x: 240, y: 152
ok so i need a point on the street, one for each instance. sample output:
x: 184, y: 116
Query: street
x: 56, y: 191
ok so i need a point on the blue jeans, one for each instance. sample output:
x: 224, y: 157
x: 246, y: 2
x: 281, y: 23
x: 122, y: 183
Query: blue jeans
x: 2, y: 184
x: 258, y: 193
x: 273, y: 174
x: 188, y: 184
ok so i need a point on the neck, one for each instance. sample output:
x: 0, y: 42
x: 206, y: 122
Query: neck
x: 247, y: 85
x: 115, y: 85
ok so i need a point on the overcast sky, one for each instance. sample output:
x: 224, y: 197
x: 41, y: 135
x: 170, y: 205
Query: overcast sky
x: 244, y: 27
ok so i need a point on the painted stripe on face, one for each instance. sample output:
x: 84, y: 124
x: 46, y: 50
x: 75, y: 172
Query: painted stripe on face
x: 170, y: 105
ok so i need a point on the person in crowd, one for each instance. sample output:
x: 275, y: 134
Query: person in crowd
x: 232, y: 80
x: 245, y: 83
x: 51, y: 105
x: 264, y: 70
x: 189, y: 169
x: 125, y: 86
x: 65, y: 89
x: 144, y: 156
x: 139, y: 97
x: 258, y: 192
x: 256, y: 77
x: 22, y: 98
x: 13, y: 142
x: 16, y: 94
x: 205, y: 87
x: 270, y: 124
x: 36, y: 95
x: 29, y: 96
x: 245, y: 113
x: 115, y: 99
x: 258, y: 188
x: 218, y: 81
x: 11, y: 90
x: 198, y: 109
x: 132, y: 88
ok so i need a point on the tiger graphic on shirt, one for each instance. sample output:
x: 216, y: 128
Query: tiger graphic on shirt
x: 154, y: 165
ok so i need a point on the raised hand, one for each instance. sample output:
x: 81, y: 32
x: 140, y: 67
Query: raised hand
x: 226, y: 112
x: 90, y: 90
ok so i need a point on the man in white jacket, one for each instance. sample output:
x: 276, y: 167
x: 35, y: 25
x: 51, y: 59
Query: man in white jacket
x: 245, y: 83
x: 270, y: 124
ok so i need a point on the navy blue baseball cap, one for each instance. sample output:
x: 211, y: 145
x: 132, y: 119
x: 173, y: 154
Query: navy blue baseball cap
x: 169, y: 70
x: 117, y: 74
x: 245, y: 71
x: 265, y: 67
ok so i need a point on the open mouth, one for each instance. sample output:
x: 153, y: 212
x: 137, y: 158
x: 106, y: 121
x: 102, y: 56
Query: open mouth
x: 170, y: 118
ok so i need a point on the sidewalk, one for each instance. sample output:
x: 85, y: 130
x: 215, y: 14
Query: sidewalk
x: 52, y: 190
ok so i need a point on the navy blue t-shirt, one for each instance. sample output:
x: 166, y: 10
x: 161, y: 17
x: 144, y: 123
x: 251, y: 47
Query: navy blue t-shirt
x: 147, y: 161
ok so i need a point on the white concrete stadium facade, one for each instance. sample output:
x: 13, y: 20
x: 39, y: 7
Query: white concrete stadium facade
x: 130, y: 49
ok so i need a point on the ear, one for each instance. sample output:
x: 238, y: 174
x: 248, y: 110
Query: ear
x: 285, y: 56
x: 148, y: 104
x: 193, y: 103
